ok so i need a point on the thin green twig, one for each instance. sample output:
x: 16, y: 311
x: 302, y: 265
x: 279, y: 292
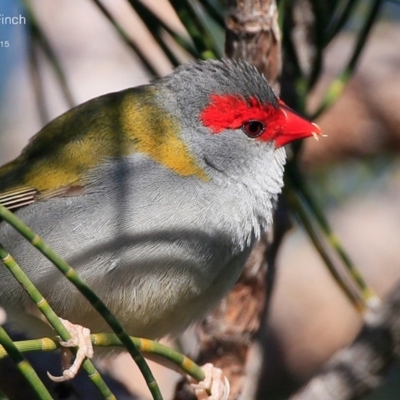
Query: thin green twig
x: 338, y: 85
x: 203, y: 40
x: 154, y: 29
x: 52, y: 318
x: 281, y: 16
x: 297, y: 183
x: 73, y: 277
x: 149, y: 348
x: 126, y: 39
x: 340, y: 17
x: 24, y: 366
x: 214, y: 12
x: 320, y: 21
x: 156, y: 26
x: 287, y: 40
x: 305, y: 220
x: 37, y: 83
x: 41, y: 39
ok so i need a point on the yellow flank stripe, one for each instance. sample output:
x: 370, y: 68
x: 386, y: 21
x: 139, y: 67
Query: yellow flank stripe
x: 156, y: 134
x: 114, y: 125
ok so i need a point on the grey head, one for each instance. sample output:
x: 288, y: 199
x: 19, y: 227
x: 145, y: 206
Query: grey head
x: 229, y: 116
x: 203, y: 78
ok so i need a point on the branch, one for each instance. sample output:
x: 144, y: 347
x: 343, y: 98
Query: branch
x: 252, y: 34
x: 360, y: 367
x: 228, y: 337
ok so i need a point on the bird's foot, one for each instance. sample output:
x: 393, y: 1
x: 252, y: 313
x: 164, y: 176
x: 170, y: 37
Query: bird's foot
x: 80, y: 337
x: 215, y: 385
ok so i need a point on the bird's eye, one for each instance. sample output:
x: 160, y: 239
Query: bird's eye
x: 253, y: 129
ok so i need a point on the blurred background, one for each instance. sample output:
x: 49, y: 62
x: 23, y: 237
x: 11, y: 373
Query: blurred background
x: 354, y: 172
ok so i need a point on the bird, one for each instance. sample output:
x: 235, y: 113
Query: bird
x: 155, y: 195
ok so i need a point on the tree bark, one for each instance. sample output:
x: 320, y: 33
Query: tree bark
x: 360, y: 367
x: 228, y: 338
x: 252, y: 34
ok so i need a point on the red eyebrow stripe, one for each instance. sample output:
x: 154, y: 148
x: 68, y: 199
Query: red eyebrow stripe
x: 230, y: 112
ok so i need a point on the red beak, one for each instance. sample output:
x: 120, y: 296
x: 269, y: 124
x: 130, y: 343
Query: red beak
x: 294, y: 127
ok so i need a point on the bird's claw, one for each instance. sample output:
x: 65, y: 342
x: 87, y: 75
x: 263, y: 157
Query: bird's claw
x: 80, y: 337
x: 215, y: 385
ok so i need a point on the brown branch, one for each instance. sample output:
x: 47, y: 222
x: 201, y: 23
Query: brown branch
x: 252, y: 34
x: 228, y: 337
x: 360, y: 367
